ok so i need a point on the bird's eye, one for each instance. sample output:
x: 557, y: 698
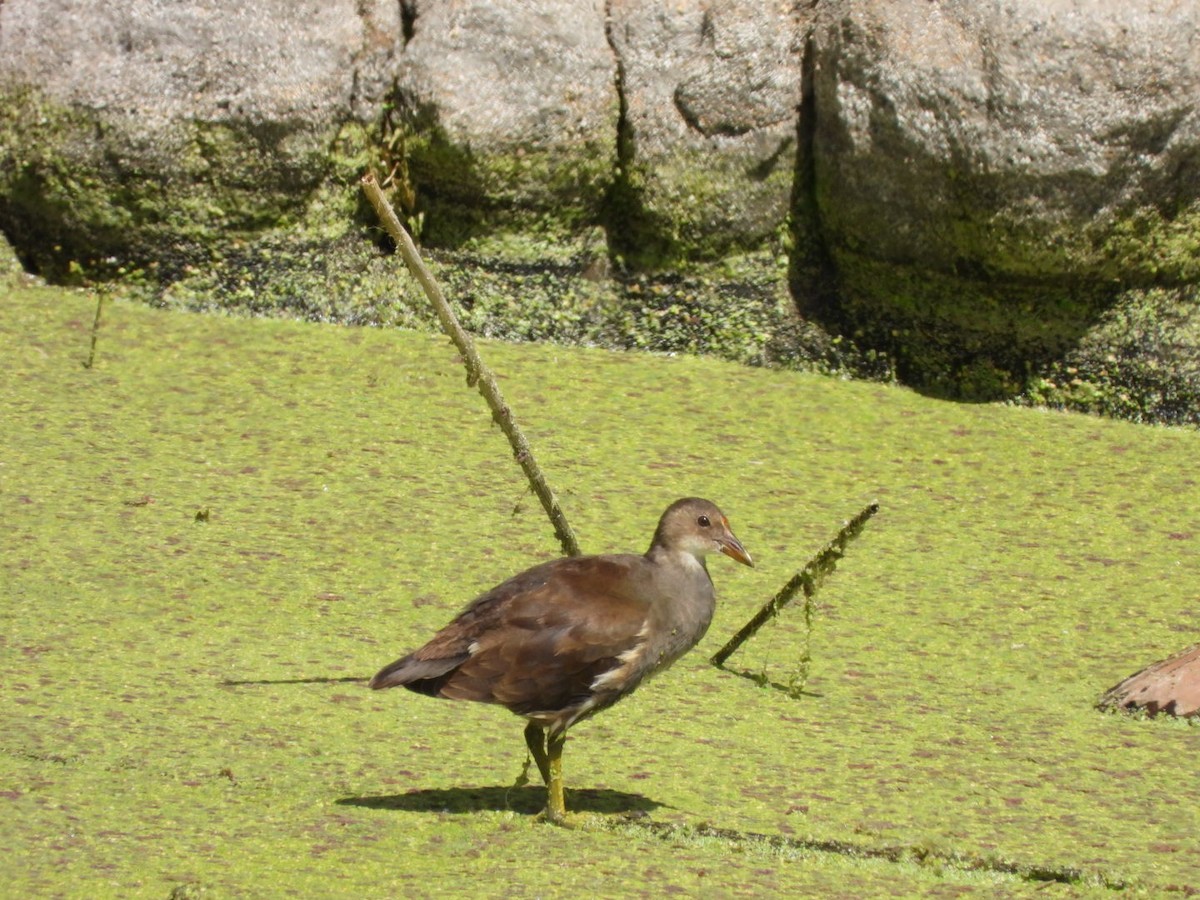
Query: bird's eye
x: 703, y: 522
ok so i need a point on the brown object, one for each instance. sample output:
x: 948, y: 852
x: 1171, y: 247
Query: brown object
x: 565, y: 639
x: 1171, y: 686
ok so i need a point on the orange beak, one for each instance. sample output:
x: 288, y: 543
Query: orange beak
x: 732, y: 547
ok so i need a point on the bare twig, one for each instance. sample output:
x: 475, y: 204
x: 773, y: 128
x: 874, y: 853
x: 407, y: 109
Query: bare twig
x: 809, y: 579
x: 478, y: 374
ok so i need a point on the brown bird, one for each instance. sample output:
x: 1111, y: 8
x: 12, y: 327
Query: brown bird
x: 567, y: 638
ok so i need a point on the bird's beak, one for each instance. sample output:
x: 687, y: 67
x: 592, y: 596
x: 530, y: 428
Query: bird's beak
x: 733, y: 548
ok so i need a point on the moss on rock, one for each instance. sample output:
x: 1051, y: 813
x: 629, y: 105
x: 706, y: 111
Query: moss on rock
x: 960, y: 337
x: 462, y: 193
x: 695, y: 205
x: 625, y: 257
x: 75, y: 204
x: 1140, y: 361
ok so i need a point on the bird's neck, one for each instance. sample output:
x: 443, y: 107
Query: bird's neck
x: 683, y: 577
x: 684, y: 607
x: 680, y: 560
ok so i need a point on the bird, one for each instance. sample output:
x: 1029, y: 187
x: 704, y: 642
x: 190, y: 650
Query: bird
x: 565, y: 639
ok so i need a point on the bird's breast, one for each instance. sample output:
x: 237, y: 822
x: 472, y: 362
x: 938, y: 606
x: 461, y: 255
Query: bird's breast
x: 680, y: 608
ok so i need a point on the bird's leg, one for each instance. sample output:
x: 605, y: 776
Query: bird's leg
x: 535, y: 740
x: 556, y: 807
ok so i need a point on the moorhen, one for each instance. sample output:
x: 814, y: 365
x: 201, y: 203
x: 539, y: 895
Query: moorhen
x: 567, y: 638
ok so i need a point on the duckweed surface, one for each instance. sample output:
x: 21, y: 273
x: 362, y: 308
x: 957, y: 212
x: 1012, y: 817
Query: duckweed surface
x: 214, y: 532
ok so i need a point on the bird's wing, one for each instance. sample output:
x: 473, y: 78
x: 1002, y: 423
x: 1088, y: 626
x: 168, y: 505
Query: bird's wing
x: 539, y: 641
x: 427, y: 668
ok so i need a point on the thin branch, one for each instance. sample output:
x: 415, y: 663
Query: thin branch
x: 809, y: 579
x: 101, y: 296
x: 478, y: 374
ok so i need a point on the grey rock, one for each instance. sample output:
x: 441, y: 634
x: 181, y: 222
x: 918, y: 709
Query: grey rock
x: 509, y: 114
x: 1028, y: 139
x: 131, y: 128
x: 988, y: 177
x: 711, y: 97
x: 168, y: 62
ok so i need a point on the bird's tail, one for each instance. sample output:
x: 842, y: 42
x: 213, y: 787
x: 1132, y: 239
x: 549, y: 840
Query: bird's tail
x: 425, y: 676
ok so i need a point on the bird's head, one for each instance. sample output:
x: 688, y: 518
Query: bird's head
x: 698, y: 527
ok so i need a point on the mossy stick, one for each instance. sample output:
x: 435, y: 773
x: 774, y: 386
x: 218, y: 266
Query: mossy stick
x: 100, y: 297
x: 478, y: 374
x: 809, y: 579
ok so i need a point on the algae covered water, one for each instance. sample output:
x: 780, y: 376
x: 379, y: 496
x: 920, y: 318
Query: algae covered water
x: 211, y: 533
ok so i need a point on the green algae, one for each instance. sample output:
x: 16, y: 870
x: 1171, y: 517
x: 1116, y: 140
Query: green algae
x: 10, y: 264
x: 738, y: 309
x: 177, y: 694
x: 959, y: 337
x: 675, y: 210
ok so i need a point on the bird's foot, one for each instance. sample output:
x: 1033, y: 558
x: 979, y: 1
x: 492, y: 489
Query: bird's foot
x: 561, y: 818
x: 556, y: 807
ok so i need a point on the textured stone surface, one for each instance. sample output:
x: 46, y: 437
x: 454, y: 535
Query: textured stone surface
x: 166, y: 62
x: 510, y: 113
x: 989, y: 175
x: 1014, y: 138
x: 712, y: 95
x: 137, y: 127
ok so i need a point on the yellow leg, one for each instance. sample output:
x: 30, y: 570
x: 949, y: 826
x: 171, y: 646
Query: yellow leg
x: 556, y: 807
x: 535, y: 740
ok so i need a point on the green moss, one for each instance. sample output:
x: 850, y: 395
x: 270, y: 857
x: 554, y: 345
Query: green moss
x: 42, y: 178
x: 1135, y: 246
x: 1004, y: 225
x: 1080, y: 345
x: 1139, y: 361
x: 177, y: 714
x: 1001, y: 296
x: 531, y: 263
x: 10, y: 264
x: 735, y: 310
x: 463, y: 193
x: 72, y: 208
x: 695, y: 206
x: 1148, y: 246
x: 522, y: 289
x: 961, y: 337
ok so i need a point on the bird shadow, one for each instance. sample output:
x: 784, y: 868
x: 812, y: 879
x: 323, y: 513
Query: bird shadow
x: 529, y: 800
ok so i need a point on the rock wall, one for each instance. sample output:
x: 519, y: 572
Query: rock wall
x: 711, y: 94
x: 979, y: 193
x: 136, y: 130
x: 991, y: 176
x: 507, y: 116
